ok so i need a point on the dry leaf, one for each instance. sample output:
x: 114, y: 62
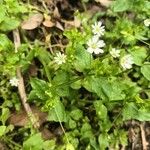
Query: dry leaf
x: 59, y: 26
x: 47, y: 134
x: 47, y: 38
x: 77, y: 22
x: 48, y: 23
x: 56, y: 13
x: 105, y: 3
x: 32, y: 22
x: 21, y: 119
x: 33, y: 69
x: 3, y: 146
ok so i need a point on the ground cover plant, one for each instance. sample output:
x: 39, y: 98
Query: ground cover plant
x: 75, y: 74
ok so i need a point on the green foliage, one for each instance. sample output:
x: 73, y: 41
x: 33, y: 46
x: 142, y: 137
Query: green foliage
x: 145, y: 71
x: 10, y: 12
x: 90, y: 95
x: 31, y: 143
x: 39, y: 87
x: 57, y: 113
x: 2, y: 130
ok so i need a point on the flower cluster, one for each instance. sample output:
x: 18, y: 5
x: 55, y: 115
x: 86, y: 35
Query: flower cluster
x: 115, y: 53
x: 14, y: 81
x: 60, y: 58
x: 147, y: 22
x: 95, y: 45
x: 126, y: 61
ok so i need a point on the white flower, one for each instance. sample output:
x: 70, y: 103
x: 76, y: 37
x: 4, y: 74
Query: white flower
x: 60, y: 58
x: 126, y: 62
x: 147, y: 22
x: 115, y: 53
x: 14, y: 81
x: 98, y: 29
x: 95, y: 45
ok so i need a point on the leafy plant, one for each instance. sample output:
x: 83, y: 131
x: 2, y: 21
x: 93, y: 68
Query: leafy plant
x: 90, y: 87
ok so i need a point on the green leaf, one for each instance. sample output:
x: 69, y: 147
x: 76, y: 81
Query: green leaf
x: 86, y: 131
x: 39, y: 88
x: 70, y: 147
x: 103, y: 141
x: 9, y: 24
x: 76, y: 114
x: 143, y: 115
x: 43, y: 55
x: 123, y: 5
x: 101, y: 110
x: 5, y: 43
x: 104, y: 88
x: 93, y: 143
x: 139, y: 54
x: 130, y: 111
x: 2, y: 130
x: 92, y: 85
x: 2, y: 13
x: 61, y: 82
x: 57, y: 113
x: 76, y: 85
x: 5, y: 115
x: 82, y: 59
x: 49, y: 145
x: 35, y: 142
x: 145, y: 70
x: 72, y: 124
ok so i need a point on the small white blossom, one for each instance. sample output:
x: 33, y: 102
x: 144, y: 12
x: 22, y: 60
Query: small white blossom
x: 95, y: 45
x: 14, y: 81
x: 98, y: 29
x: 147, y: 22
x: 115, y: 53
x: 60, y: 58
x: 127, y: 62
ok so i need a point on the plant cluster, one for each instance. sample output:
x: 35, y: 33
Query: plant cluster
x: 91, y: 87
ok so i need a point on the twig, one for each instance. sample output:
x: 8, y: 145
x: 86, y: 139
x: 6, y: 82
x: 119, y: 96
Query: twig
x: 144, y: 142
x: 11, y: 142
x: 21, y: 87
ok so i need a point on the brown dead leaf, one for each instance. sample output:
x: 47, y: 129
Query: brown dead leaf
x: 48, y: 23
x: 93, y: 10
x: 47, y: 134
x: 59, y: 26
x: 32, y: 22
x: 56, y: 13
x: 77, y: 22
x: 33, y: 69
x: 105, y: 3
x: 58, y: 131
x: 21, y: 119
x: 3, y: 146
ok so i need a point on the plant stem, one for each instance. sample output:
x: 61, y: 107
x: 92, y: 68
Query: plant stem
x: 21, y: 87
x: 12, y: 142
x: 62, y: 126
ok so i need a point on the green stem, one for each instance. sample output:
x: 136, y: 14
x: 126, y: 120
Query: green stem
x: 143, y: 42
x: 46, y: 71
x: 12, y: 142
x: 84, y: 6
x: 62, y: 126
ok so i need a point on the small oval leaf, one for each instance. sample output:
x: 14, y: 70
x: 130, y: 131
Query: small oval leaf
x: 32, y: 22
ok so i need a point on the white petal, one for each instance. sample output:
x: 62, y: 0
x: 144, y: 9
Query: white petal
x: 147, y: 22
x: 98, y: 51
x: 90, y: 50
x: 101, y: 43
